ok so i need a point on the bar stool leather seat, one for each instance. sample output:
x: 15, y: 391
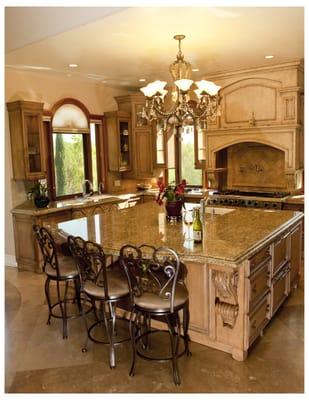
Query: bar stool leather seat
x: 150, y: 301
x: 67, y: 269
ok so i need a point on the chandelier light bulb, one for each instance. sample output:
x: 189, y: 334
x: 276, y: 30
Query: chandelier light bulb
x: 184, y: 84
x: 153, y: 88
x: 208, y: 87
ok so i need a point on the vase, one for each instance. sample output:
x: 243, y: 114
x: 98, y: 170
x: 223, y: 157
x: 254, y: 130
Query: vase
x: 173, y: 209
x: 41, y: 202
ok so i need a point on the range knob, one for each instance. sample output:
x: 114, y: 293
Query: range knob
x: 256, y: 204
x: 266, y: 205
x: 214, y: 201
x: 225, y: 201
x: 221, y: 201
x: 275, y: 205
x: 231, y: 201
x: 243, y: 203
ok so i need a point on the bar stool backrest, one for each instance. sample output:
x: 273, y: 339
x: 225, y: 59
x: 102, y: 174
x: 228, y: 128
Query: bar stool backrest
x: 90, y: 260
x: 151, y: 270
x: 47, y: 246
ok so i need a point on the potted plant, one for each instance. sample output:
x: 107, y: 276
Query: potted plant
x: 174, y: 195
x: 39, y: 194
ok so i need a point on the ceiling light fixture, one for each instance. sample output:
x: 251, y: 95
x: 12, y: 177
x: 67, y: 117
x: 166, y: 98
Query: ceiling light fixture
x: 142, y: 80
x: 270, y: 56
x: 185, y: 111
x: 73, y: 65
x: 195, y: 69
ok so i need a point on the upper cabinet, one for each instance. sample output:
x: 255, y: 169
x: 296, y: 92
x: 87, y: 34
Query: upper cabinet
x: 119, y: 141
x: 142, y: 136
x: 27, y: 140
x: 262, y: 96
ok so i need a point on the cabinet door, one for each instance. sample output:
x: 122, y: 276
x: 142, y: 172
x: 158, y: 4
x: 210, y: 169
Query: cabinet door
x: 124, y: 144
x: 33, y: 146
x: 143, y: 153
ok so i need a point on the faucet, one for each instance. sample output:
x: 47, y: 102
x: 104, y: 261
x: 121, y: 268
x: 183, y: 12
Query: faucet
x: 101, y: 187
x: 85, y: 193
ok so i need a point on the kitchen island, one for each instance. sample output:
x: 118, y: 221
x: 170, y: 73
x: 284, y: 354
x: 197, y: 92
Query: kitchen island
x: 237, y: 278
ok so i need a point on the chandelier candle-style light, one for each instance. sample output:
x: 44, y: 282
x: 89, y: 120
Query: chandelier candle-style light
x: 185, y: 111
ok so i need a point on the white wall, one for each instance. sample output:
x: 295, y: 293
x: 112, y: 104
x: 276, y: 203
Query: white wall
x: 41, y: 87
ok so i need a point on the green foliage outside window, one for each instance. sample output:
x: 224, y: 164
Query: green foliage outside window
x: 69, y: 163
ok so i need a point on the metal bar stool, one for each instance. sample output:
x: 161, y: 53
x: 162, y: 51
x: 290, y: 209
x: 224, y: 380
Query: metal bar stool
x: 104, y: 284
x: 62, y: 270
x: 157, y: 289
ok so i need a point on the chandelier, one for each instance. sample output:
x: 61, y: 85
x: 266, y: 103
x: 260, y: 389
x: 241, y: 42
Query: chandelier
x: 185, y: 110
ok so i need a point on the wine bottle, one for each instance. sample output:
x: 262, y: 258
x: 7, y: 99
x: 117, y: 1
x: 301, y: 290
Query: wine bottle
x: 197, y: 226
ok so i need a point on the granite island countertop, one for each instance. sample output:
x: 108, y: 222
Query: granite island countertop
x: 229, y: 235
x: 29, y: 208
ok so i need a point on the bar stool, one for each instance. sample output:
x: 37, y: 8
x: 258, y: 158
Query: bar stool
x: 157, y: 289
x: 59, y: 269
x: 104, y: 284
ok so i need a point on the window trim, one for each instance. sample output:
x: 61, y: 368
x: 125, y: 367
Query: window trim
x: 98, y: 120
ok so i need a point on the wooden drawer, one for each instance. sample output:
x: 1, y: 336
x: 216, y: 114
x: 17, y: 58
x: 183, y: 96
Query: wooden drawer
x: 280, y: 254
x: 258, y: 318
x: 280, y: 287
x: 259, y: 284
x: 259, y: 258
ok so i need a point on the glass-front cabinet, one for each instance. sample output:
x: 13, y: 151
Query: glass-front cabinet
x: 27, y: 141
x: 119, y: 141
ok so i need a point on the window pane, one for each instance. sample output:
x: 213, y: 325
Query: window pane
x: 94, y: 156
x: 193, y: 176
x: 69, y: 163
x: 171, y: 175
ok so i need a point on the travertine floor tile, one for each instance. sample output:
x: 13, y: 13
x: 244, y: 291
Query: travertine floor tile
x: 38, y: 360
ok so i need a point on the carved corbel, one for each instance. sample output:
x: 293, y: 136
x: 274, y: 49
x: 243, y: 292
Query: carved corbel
x: 226, y: 296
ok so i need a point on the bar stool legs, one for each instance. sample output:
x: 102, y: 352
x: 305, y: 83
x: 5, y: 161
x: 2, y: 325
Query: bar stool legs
x: 62, y: 303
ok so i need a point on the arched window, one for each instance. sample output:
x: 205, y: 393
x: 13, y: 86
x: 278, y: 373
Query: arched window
x: 74, y: 153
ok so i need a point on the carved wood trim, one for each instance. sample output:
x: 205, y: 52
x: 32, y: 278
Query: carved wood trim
x: 226, y: 305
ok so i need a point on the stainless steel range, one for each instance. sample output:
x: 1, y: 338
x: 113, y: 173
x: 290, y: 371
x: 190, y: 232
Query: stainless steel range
x: 269, y: 200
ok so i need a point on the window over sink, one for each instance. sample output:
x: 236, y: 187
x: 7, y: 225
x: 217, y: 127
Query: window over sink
x: 74, y: 141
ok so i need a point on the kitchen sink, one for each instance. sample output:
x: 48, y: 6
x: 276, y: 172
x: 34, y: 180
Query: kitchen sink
x: 218, y: 210
x: 90, y: 199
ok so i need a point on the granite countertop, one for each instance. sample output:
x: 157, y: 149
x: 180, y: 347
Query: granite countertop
x: 228, y: 237
x: 29, y: 208
x: 295, y: 199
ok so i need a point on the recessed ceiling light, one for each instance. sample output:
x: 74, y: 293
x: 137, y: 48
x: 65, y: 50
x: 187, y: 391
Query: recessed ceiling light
x: 73, y: 65
x: 270, y: 56
x: 142, y: 80
x: 195, y: 69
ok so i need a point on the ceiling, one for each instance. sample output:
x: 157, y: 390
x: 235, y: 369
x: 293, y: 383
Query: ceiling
x: 118, y: 46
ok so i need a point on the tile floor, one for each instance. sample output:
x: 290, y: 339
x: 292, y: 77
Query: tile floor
x: 38, y: 360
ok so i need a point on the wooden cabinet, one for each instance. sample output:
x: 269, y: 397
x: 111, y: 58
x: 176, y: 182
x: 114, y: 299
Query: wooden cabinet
x: 119, y: 141
x: 27, y: 140
x: 142, y: 136
x: 28, y: 254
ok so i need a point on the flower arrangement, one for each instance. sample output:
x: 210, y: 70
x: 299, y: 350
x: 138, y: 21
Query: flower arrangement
x: 171, y: 192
